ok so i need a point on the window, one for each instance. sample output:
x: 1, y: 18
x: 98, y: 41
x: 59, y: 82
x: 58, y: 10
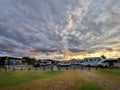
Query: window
x: 91, y: 60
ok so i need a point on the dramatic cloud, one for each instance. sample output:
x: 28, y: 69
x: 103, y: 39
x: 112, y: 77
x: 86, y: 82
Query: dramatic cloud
x: 28, y: 26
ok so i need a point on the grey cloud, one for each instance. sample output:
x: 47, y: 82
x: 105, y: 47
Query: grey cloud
x: 52, y: 25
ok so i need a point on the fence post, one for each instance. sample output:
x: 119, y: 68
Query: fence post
x: 21, y: 68
x: 74, y: 67
x: 81, y: 67
x: 36, y: 68
x: 51, y: 68
x: 103, y: 67
x: 66, y: 68
x: 89, y: 68
x: 59, y: 68
x: 29, y: 69
x: 5, y: 69
x: 96, y: 67
x: 44, y: 68
x: 14, y: 69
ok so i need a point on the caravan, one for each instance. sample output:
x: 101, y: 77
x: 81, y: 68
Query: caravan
x: 109, y: 63
x: 93, y: 61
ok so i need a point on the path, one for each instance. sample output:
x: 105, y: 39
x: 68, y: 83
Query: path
x: 104, y: 82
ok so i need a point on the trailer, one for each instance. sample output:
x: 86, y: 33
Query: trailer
x: 109, y: 63
x: 92, y: 61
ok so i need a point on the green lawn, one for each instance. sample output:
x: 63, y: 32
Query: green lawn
x: 0, y: 70
x: 111, y: 75
x: 16, y: 77
x: 114, y: 72
x: 90, y: 86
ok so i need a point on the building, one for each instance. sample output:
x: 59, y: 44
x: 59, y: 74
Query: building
x: 10, y: 61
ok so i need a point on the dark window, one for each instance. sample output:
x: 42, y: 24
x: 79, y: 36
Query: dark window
x: 91, y: 60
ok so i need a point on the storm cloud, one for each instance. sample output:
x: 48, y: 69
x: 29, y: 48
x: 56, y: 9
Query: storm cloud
x: 53, y: 25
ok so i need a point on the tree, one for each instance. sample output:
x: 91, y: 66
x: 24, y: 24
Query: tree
x: 119, y: 59
x: 29, y: 60
x: 104, y: 57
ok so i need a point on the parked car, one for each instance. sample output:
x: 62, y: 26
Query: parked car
x: 93, y: 61
x: 109, y: 63
x: 42, y: 63
x: 77, y: 62
x: 63, y: 63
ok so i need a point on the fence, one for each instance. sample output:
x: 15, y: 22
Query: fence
x: 50, y: 68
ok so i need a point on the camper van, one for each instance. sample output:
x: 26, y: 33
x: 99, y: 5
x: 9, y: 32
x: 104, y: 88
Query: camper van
x: 109, y: 63
x: 93, y: 61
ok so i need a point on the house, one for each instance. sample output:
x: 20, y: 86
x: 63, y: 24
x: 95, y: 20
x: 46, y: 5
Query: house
x: 10, y: 61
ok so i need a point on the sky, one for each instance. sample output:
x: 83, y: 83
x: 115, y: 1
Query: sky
x: 35, y: 27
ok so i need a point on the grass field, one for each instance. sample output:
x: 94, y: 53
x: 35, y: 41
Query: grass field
x: 1, y: 69
x: 113, y: 72
x: 60, y: 80
x: 12, y: 78
x: 112, y: 75
x: 90, y: 86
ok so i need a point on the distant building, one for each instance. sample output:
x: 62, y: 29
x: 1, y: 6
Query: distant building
x: 10, y: 61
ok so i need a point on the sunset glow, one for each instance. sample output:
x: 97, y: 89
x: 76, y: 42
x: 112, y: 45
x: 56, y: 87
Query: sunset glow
x: 67, y: 29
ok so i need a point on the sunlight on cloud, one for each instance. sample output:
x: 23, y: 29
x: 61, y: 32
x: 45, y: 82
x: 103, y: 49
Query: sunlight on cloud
x: 58, y: 26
